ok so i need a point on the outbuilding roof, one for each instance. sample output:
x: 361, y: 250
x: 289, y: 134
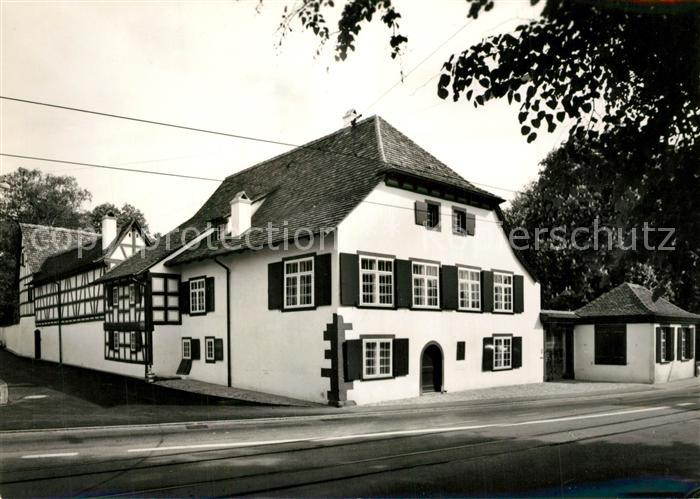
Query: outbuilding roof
x: 626, y: 303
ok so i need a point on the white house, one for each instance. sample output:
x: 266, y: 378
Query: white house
x: 354, y: 269
x: 625, y: 335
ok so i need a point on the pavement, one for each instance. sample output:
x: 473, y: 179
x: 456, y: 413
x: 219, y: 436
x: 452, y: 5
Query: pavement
x: 633, y: 444
x: 46, y: 395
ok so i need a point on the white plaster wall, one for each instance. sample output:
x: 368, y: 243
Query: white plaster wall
x: 640, y: 356
x: 19, y: 338
x: 676, y: 369
x: 274, y: 351
x: 375, y: 227
x: 167, y: 339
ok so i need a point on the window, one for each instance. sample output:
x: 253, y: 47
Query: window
x: 459, y: 221
x: 376, y: 358
x: 426, y: 285
x: 115, y: 296
x: 461, y: 350
x: 132, y: 294
x: 502, y: 352
x: 186, y: 348
x: 433, y: 220
x: 469, y: 289
x: 377, y: 281
x: 115, y: 340
x: 299, y: 283
x: 502, y: 292
x: 665, y: 344
x: 610, y: 344
x: 198, y: 303
x: 209, y: 351
x: 132, y: 341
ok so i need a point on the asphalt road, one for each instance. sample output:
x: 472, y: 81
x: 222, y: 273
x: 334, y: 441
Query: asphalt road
x: 640, y: 444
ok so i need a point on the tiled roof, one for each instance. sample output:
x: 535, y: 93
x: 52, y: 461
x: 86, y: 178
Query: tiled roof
x: 632, y: 300
x: 315, y: 186
x: 41, y: 241
x: 80, y: 257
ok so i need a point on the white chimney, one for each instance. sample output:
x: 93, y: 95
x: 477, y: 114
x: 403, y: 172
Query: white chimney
x: 350, y: 118
x: 109, y: 229
x: 241, y: 214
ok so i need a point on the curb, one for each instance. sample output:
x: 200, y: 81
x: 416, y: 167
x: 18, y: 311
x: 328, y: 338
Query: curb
x: 351, y: 414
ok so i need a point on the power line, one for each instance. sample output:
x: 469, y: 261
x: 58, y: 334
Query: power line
x: 419, y: 64
x: 150, y: 122
x: 194, y: 129
x: 93, y: 165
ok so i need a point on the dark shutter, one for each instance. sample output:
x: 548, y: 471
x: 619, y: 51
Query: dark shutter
x: 518, y: 296
x: 486, y: 291
x: 349, y: 279
x: 185, y: 297
x: 487, y: 355
x: 471, y: 224
x: 139, y: 340
x: 218, y: 349
x: 110, y: 339
x: 110, y: 294
x: 517, y: 352
x: 274, y: 286
x: 352, y: 359
x: 322, y: 280
x: 209, y: 295
x: 400, y: 357
x: 670, y: 343
x: 659, y: 332
x: 195, y: 349
x: 691, y: 339
x: 402, y: 281
x: 449, y: 287
x: 137, y: 293
x: 421, y: 213
x: 461, y: 350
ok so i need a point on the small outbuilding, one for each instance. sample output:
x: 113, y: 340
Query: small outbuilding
x: 624, y: 335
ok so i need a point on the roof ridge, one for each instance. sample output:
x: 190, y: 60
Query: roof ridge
x: 306, y: 145
x: 636, y: 296
x: 380, y: 140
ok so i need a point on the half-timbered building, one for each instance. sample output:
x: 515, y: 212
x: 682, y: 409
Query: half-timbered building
x: 354, y: 269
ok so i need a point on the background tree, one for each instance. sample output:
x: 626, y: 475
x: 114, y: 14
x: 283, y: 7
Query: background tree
x: 125, y: 214
x: 622, y: 75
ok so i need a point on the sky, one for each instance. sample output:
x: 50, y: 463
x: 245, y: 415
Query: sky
x: 219, y: 66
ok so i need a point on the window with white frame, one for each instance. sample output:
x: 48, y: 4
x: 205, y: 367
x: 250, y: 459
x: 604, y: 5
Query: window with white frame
x: 502, y: 292
x: 469, y: 289
x: 664, y: 346
x: 209, y: 349
x: 186, y: 348
x: 503, y: 352
x: 132, y: 294
x: 132, y: 341
x: 198, y: 302
x: 116, y: 345
x: 377, y: 281
x: 115, y: 296
x: 376, y: 358
x: 299, y: 283
x: 426, y: 284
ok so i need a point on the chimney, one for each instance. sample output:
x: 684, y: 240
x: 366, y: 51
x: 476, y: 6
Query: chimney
x: 350, y: 118
x: 109, y: 229
x: 241, y: 214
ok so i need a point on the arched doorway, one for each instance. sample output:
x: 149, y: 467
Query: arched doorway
x: 431, y: 369
x: 37, y: 344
